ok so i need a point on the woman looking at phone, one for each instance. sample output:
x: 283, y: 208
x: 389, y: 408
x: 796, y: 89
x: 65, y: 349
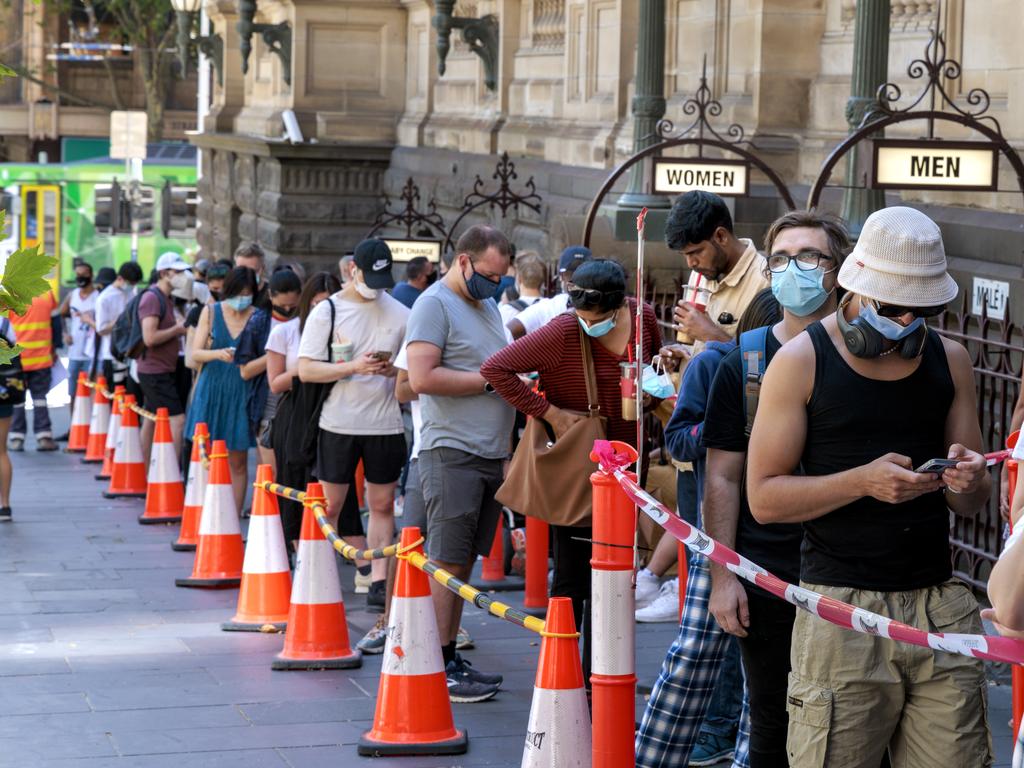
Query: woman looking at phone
x: 221, y: 395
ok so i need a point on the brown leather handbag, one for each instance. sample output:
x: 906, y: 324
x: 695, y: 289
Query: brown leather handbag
x: 550, y: 479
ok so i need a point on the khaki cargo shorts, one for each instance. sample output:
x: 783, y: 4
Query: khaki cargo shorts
x: 852, y: 695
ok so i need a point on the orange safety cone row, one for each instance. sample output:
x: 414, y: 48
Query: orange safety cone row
x: 195, y: 490
x: 219, y: 553
x: 128, y: 477
x: 265, y: 597
x: 165, y: 495
x: 558, y: 733
x: 317, y: 635
x: 414, y: 714
x: 99, y: 425
x: 112, y: 431
x: 78, y: 436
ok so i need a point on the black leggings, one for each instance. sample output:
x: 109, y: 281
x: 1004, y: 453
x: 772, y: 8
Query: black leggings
x: 572, y: 579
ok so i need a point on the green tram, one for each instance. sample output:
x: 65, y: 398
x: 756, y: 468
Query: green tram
x: 89, y: 210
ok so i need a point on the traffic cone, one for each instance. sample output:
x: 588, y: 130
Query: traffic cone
x: 264, y: 600
x: 78, y: 437
x: 317, y: 635
x: 128, y: 477
x: 558, y: 733
x: 112, y: 431
x: 414, y: 715
x: 99, y: 425
x: 195, y: 490
x: 219, y: 553
x: 165, y: 495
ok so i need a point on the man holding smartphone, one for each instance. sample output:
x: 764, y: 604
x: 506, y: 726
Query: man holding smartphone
x: 847, y: 411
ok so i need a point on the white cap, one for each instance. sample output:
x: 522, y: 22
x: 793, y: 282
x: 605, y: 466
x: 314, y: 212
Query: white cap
x: 171, y: 260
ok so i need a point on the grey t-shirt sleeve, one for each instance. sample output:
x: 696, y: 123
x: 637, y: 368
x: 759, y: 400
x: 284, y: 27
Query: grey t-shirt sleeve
x: 428, y: 322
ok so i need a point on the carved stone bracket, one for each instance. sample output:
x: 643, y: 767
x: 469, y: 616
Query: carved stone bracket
x: 277, y: 37
x: 480, y: 34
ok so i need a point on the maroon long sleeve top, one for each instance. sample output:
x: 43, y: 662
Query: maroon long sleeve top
x: 554, y: 352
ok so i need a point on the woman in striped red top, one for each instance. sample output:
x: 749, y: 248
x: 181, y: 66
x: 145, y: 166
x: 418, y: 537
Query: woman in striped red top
x: 598, y: 297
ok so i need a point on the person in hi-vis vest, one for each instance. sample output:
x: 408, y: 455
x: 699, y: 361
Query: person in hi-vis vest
x: 34, y: 331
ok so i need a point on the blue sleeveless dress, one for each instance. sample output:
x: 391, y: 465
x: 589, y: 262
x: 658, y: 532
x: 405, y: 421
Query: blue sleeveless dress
x: 221, y: 394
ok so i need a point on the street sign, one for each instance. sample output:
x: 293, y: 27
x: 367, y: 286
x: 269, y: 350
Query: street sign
x: 406, y: 250
x: 128, y: 134
x: 723, y: 177
x: 990, y: 294
x: 970, y: 166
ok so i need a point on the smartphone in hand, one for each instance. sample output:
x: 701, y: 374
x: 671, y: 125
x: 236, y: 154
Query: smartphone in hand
x: 382, y: 356
x: 937, y: 466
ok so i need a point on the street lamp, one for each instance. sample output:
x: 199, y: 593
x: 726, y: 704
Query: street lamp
x: 212, y: 46
x: 277, y: 38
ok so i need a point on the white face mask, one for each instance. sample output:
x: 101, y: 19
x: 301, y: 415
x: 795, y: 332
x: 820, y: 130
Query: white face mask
x: 365, y: 291
x: 181, y: 280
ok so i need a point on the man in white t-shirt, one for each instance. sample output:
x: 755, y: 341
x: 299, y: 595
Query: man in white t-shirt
x: 109, y: 306
x: 361, y: 419
x: 542, y: 312
x: 530, y: 274
x: 79, y: 306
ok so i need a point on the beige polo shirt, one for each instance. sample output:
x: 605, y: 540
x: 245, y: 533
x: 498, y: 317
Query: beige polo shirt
x: 734, y: 292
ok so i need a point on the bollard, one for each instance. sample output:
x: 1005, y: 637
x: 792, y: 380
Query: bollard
x: 535, y: 601
x: 492, y: 567
x: 613, y: 678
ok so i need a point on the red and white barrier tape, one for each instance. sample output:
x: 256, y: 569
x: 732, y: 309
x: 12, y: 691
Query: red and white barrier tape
x: 841, y: 614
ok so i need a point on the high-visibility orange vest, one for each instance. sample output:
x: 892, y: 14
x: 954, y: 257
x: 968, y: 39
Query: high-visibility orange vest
x: 35, y: 333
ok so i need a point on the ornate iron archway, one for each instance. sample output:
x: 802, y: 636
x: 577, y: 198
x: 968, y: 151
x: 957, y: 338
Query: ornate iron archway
x: 700, y: 134
x: 428, y: 222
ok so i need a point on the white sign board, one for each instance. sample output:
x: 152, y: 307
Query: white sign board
x: 991, y: 295
x: 127, y: 134
x: 718, y: 176
x: 406, y: 250
x: 900, y: 164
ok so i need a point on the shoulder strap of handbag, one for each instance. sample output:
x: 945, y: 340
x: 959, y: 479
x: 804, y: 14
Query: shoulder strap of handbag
x: 588, y: 373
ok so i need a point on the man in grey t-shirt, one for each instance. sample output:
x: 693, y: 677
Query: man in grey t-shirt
x: 454, y: 326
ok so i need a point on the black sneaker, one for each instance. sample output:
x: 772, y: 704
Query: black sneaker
x: 462, y: 689
x: 375, y: 597
x: 5, y: 515
x: 63, y: 438
x: 475, y: 675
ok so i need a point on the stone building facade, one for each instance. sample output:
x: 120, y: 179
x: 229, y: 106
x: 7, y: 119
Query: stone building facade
x: 374, y: 111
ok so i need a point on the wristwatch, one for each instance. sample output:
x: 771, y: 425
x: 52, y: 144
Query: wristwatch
x: 488, y: 388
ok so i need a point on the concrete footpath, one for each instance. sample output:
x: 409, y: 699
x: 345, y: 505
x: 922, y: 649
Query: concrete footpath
x: 104, y: 662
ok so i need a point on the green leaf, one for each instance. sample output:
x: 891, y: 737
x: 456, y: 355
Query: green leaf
x: 6, y: 71
x: 24, y: 278
x: 7, y: 352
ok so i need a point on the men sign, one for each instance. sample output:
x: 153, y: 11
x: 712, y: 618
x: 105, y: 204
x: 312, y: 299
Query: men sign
x: 723, y: 177
x: 970, y: 166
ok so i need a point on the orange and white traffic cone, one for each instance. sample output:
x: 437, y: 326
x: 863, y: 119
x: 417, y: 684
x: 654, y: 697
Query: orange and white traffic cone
x: 414, y: 714
x: 265, y: 597
x: 558, y: 733
x: 99, y: 425
x: 317, y: 635
x: 219, y: 553
x: 112, y: 431
x: 195, y: 490
x: 165, y: 496
x: 128, y: 478
x: 78, y: 436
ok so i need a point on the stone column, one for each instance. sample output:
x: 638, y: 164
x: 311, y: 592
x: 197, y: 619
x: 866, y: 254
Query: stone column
x: 870, y: 70
x: 648, y: 99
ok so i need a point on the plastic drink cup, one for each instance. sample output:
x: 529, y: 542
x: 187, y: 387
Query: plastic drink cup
x: 342, y: 351
x: 627, y: 389
x: 696, y: 297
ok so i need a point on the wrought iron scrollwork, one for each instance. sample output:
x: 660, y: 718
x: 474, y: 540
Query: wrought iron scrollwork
x: 704, y: 106
x: 410, y: 216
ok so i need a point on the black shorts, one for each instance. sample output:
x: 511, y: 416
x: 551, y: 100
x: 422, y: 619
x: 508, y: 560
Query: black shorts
x: 337, y: 457
x: 160, y: 390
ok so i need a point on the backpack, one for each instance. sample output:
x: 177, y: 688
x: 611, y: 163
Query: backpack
x: 126, y: 338
x: 519, y: 305
x: 752, y: 353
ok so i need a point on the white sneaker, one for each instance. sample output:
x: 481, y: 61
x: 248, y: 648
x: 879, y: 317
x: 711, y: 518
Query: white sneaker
x: 362, y: 583
x: 665, y: 608
x: 647, y: 588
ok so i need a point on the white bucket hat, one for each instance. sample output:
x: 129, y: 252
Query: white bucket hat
x: 900, y: 260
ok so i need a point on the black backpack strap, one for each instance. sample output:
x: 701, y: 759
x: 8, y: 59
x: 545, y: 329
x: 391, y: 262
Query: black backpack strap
x: 753, y: 355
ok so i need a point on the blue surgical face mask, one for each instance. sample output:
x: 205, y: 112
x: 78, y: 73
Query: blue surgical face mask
x: 799, y: 291
x: 239, y: 303
x: 479, y: 287
x: 889, y: 328
x: 597, y: 329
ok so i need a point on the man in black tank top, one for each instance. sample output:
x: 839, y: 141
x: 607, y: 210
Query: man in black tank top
x: 857, y: 403
x: 805, y: 251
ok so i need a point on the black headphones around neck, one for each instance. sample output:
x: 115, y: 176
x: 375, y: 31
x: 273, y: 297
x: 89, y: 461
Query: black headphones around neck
x: 864, y: 341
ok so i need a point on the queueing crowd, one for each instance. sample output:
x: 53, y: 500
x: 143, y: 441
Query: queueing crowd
x: 830, y: 433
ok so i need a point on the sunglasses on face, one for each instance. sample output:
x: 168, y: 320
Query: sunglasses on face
x: 894, y: 310
x: 589, y: 296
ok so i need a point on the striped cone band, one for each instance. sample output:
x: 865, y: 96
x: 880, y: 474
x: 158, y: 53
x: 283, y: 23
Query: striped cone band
x: 195, y: 488
x: 264, y: 546
x: 129, y: 446
x: 163, y: 464
x: 219, y: 516
x: 558, y: 731
x: 613, y: 633
x: 413, y: 645
x: 316, y: 573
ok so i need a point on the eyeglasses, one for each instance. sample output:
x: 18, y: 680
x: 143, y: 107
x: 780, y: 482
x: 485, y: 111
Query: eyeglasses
x: 589, y: 296
x: 895, y: 310
x: 805, y: 260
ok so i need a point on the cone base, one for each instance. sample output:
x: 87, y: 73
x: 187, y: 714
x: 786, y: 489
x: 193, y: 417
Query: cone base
x: 457, y: 745
x: 225, y: 583
x: 74, y: 450
x: 124, y: 494
x: 183, y: 546
x: 153, y: 520
x: 92, y: 461
x: 268, y: 627
x: 353, y: 661
x: 101, y: 476
x: 508, y: 584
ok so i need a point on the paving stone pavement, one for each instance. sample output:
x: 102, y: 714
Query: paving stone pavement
x: 104, y: 662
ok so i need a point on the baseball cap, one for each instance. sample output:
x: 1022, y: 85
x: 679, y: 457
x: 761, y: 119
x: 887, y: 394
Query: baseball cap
x: 373, y: 257
x: 572, y: 257
x: 171, y: 260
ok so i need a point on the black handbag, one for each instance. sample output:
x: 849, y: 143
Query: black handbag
x: 310, y: 400
x: 12, y: 376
